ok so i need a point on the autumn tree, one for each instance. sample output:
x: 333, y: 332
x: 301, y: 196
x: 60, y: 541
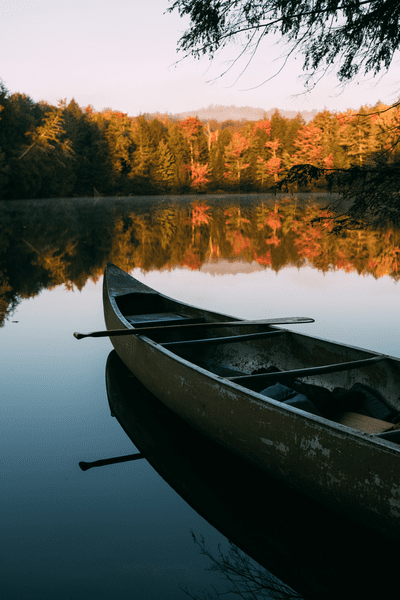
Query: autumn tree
x: 192, y: 128
x: 274, y: 162
x: 199, y: 174
x: 237, y: 231
x: 308, y: 146
x: 235, y: 158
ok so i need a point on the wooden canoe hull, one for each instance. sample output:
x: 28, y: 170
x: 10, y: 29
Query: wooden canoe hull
x: 352, y: 472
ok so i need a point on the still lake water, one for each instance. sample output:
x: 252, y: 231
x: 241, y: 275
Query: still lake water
x: 122, y: 531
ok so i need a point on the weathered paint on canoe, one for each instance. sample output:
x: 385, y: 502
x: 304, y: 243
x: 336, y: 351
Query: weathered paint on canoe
x: 347, y: 470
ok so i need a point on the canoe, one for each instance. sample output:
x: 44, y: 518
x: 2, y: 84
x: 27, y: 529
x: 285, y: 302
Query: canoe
x: 287, y: 533
x: 320, y: 416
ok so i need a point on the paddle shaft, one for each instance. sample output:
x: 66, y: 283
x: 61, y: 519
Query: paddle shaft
x: 217, y: 324
x: 109, y: 461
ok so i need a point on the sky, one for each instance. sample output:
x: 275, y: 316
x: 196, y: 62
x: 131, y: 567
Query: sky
x: 121, y: 54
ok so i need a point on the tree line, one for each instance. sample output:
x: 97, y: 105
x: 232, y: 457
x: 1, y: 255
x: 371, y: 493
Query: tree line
x: 65, y: 151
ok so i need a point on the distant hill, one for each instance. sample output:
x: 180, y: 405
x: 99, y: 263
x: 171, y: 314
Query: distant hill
x: 237, y: 113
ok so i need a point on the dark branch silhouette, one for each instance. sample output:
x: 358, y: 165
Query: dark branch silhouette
x: 243, y: 577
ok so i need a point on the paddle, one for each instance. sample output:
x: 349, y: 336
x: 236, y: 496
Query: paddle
x: 141, y: 330
x: 109, y: 461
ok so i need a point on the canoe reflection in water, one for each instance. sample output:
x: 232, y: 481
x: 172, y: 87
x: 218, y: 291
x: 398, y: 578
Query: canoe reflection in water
x: 311, y: 548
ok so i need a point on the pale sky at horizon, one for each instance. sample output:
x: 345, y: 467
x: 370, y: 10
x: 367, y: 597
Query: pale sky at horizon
x: 122, y: 55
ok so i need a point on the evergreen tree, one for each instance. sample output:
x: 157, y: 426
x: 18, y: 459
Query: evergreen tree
x: 328, y: 124
x: 355, y: 136
x: 164, y: 171
x: 217, y: 160
x: 144, y: 157
x: 181, y: 154
x: 92, y: 166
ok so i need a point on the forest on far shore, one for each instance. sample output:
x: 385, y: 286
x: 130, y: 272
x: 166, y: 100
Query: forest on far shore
x: 65, y: 151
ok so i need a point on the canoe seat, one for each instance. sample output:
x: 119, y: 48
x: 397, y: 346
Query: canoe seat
x: 161, y: 318
x: 363, y: 422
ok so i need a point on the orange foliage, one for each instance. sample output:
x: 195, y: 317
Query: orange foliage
x: 344, y: 263
x: 263, y: 260
x: 308, y: 144
x: 328, y: 161
x: 307, y: 243
x: 264, y: 125
x: 273, y: 166
x: 273, y: 145
x: 190, y: 126
x: 274, y: 220
x: 239, y: 242
x: 238, y: 145
x: 191, y: 260
x: 199, y: 175
x: 273, y: 240
x: 199, y: 214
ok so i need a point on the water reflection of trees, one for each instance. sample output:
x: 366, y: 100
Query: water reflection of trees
x: 243, y: 577
x: 276, y: 236
x: 45, y: 244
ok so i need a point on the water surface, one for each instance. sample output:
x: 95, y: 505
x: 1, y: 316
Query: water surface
x: 122, y: 531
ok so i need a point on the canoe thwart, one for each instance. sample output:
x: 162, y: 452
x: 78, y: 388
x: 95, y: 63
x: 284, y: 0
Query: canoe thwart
x: 322, y: 370
x: 228, y: 339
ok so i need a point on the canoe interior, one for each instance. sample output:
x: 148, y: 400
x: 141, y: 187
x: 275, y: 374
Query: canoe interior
x: 288, y: 351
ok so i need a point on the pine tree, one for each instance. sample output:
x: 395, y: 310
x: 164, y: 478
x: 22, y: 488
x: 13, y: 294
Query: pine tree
x: 165, y: 167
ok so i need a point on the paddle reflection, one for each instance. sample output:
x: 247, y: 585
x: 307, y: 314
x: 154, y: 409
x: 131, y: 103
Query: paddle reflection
x: 312, y: 549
